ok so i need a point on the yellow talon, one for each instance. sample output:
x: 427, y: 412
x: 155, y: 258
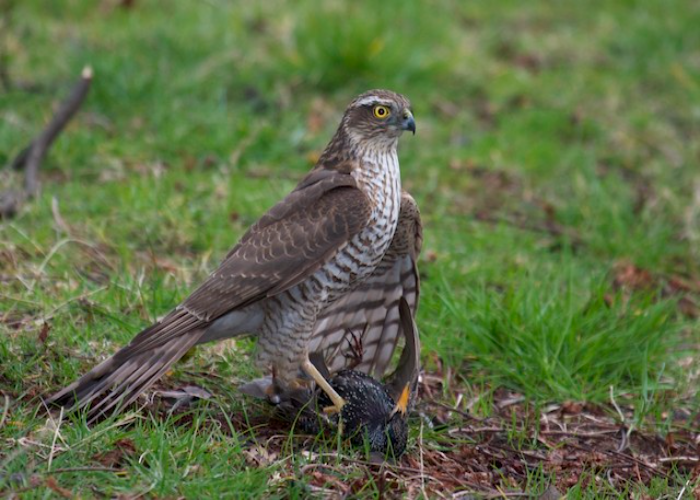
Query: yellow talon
x: 330, y: 410
x: 312, y: 371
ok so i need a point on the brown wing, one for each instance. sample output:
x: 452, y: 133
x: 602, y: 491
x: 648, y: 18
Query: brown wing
x: 370, y: 313
x: 289, y: 243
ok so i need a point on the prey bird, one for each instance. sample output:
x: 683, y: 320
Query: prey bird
x: 295, y: 275
x: 374, y: 413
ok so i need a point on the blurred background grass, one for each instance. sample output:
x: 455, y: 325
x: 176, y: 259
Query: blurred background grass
x: 556, y: 166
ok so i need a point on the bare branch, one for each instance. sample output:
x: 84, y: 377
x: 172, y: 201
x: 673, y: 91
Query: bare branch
x: 41, y: 144
x: 30, y: 158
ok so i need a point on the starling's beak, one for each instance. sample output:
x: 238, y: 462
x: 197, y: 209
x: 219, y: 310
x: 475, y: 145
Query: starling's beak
x: 402, y: 403
x: 408, y: 123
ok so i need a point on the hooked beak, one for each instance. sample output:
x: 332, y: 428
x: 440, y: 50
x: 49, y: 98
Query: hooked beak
x: 402, y: 403
x: 408, y: 123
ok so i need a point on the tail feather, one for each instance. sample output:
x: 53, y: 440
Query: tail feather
x: 120, y: 395
x: 141, y: 380
x: 178, y: 323
x: 118, y: 381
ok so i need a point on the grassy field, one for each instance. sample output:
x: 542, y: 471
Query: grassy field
x: 556, y: 166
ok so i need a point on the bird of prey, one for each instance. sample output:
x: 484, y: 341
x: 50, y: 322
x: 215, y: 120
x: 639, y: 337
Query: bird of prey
x: 374, y: 413
x: 316, y: 246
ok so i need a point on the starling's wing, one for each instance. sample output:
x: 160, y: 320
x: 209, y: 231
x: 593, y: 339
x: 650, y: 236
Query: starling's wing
x: 289, y: 243
x: 408, y: 368
x: 361, y: 329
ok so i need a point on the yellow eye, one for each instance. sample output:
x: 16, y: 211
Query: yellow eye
x: 381, y: 112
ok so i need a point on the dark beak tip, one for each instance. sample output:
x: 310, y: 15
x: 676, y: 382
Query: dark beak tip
x: 410, y: 124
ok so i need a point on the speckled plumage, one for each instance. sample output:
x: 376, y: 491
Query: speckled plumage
x: 320, y: 242
x: 367, y: 414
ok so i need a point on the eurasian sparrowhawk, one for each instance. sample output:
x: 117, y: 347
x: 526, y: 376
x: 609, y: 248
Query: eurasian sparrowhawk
x: 288, y: 275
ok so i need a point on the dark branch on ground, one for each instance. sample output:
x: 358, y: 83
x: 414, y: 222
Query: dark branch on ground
x: 548, y: 227
x: 30, y: 158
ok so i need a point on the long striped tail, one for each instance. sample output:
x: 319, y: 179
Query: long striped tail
x: 118, y: 381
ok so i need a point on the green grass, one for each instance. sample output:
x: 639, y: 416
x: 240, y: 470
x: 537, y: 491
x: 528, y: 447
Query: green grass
x: 572, y: 343
x: 557, y: 144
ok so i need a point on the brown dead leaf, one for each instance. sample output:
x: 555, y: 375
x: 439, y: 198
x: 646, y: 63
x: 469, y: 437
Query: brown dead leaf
x: 688, y: 306
x: 258, y: 456
x: 117, y: 456
x: 628, y: 275
x: 670, y: 439
x: 529, y: 62
x: 323, y: 480
x: 53, y: 485
x: 359, y: 484
x: 184, y: 396
x: 166, y: 264
x: 572, y: 407
x: 44, y: 333
x: 681, y: 284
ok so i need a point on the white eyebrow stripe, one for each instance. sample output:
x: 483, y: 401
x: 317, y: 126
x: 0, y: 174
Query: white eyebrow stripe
x: 371, y: 99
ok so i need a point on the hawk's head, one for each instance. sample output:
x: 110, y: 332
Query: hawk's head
x: 378, y: 116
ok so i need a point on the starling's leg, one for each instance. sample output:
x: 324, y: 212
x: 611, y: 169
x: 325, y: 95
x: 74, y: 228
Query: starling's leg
x: 312, y: 371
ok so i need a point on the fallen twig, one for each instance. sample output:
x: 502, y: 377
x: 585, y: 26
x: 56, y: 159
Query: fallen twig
x: 678, y: 460
x: 454, y: 409
x: 680, y: 495
x: 5, y: 410
x: 53, y: 442
x: 58, y: 219
x: 30, y: 158
x: 626, y: 430
x: 84, y: 469
x: 548, y: 227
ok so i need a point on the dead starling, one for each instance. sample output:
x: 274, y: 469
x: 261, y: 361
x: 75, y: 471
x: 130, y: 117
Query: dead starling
x: 374, y: 413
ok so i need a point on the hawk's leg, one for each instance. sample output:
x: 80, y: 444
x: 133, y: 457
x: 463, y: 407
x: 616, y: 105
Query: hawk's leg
x: 312, y: 371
